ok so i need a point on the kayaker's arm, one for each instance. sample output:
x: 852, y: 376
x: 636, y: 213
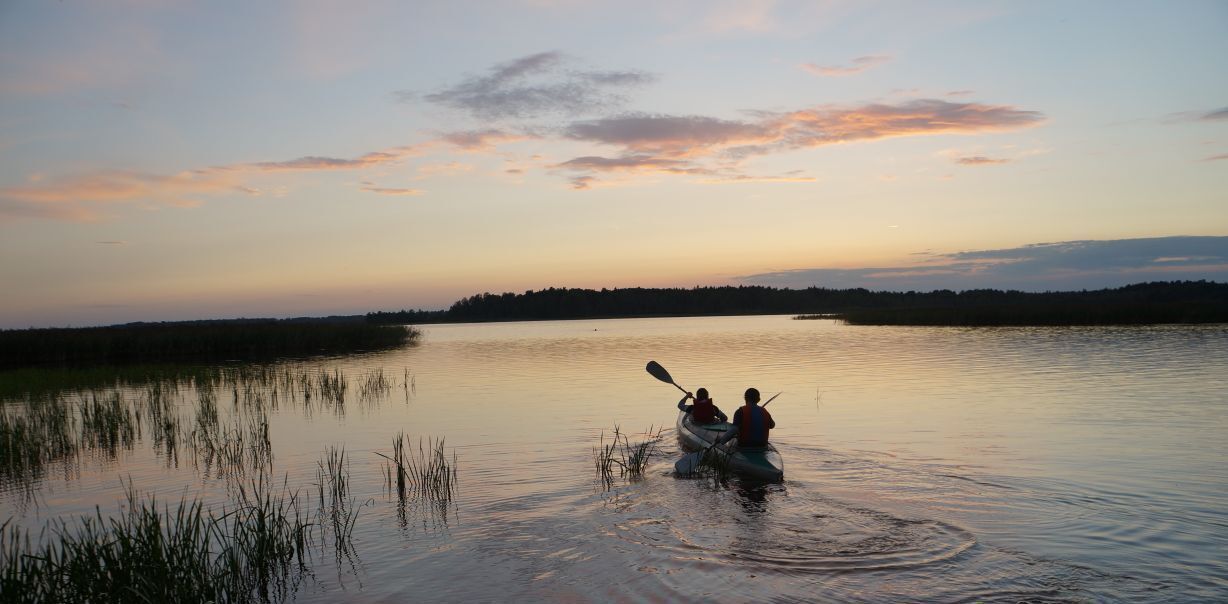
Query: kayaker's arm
x: 682, y: 406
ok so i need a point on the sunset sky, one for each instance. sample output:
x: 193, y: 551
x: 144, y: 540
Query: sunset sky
x: 182, y: 160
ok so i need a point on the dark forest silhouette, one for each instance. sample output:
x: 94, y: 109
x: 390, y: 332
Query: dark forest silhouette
x: 1144, y: 303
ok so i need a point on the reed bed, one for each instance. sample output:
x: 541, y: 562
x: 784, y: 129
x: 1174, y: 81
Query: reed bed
x: 627, y: 458
x: 256, y: 551
x: 198, y: 341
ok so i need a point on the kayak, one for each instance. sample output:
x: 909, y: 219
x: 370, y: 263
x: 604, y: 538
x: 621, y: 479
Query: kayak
x: 763, y: 463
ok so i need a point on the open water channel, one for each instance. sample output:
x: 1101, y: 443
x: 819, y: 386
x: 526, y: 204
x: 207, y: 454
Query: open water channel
x: 921, y: 464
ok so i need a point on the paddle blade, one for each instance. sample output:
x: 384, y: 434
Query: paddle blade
x: 659, y: 372
x: 689, y: 464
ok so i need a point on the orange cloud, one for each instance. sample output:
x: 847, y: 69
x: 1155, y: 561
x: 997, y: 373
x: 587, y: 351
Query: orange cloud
x: 829, y: 125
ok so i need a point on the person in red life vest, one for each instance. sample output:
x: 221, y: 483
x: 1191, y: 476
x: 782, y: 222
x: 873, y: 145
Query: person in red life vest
x: 704, y: 411
x: 752, y: 422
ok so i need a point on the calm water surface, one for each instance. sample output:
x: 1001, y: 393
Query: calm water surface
x: 921, y: 464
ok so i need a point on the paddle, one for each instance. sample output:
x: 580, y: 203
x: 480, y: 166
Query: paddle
x: 660, y: 373
x: 689, y: 463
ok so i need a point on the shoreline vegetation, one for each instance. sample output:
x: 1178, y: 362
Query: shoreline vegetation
x: 196, y: 341
x: 259, y: 339
x: 1139, y: 304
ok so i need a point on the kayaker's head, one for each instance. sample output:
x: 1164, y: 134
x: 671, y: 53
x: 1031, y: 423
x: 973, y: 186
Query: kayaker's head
x: 752, y: 396
x: 701, y: 394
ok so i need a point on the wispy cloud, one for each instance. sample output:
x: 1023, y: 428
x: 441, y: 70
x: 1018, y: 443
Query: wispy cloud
x: 111, y: 242
x: 857, y: 66
x: 980, y: 160
x: 1216, y: 157
x: 537, y: 85
x: 747, y: 178
x: 83, y: 197
x: 581, y: 183
x: 370, y: 188
x: 480, y: 140
x: 677, y: 136
x: 1102, y: 263
x: 629, y: 163
x: 755, y: 16
x: 1218, y: 114
x: 681, y: 143
x: 316, y: 163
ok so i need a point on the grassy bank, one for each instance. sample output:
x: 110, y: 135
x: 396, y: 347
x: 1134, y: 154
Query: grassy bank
x: 200, y: 341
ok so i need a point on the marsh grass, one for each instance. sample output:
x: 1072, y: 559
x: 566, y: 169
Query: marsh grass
x: 374, y: 387
x: 234, y: 450
x: 336, y: 508
x: 715, y: 465
x: 33, y: 440
x: 409, y: 383
x: 107, y: 424
x: 425, y: 475
x: 256, y: 551
x: 621, y: 455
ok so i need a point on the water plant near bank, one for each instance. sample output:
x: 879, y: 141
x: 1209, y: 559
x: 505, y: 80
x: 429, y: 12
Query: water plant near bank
x: 255, y: 551
x: 426, y: 473
x: 623, y: 456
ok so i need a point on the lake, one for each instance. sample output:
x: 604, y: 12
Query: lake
x: 921, y: 464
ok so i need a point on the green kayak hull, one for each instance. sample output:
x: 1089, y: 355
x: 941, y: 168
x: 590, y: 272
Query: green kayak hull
x: 763, y: 463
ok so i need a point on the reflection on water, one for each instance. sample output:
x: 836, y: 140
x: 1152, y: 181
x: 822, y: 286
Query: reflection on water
x: 933, y: 464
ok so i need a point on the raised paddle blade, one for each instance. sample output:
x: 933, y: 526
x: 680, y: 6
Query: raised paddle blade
x: 659, y: 372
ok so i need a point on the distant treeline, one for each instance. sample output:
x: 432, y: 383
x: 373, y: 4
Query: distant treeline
x: 1159, y: 302
x: 237, y: 339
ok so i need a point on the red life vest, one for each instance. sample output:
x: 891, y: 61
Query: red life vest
x: 703, y: 411
x: 754, y: 423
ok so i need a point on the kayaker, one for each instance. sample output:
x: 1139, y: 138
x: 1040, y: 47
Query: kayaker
x: 704, y: 411
x: 753, y: 422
